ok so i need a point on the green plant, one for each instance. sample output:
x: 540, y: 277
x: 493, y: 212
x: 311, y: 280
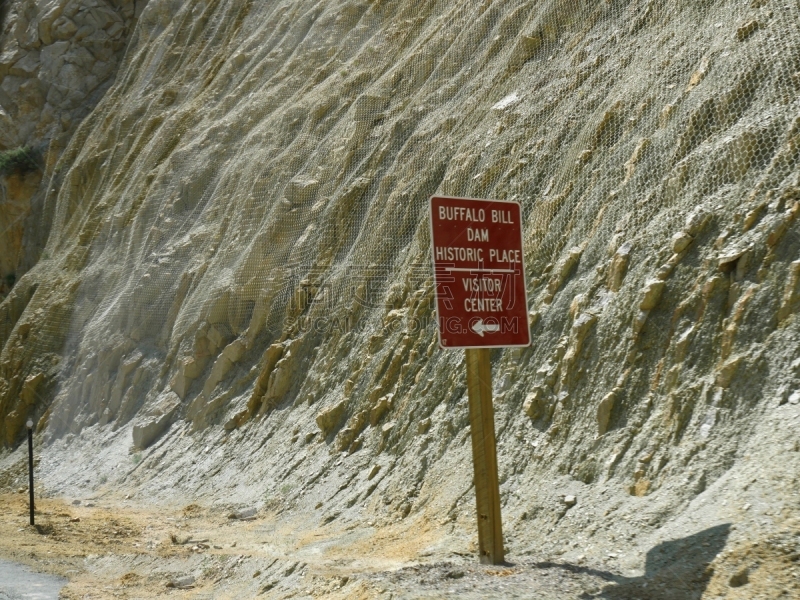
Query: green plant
x: 137, y: 458
x: 19, y: 161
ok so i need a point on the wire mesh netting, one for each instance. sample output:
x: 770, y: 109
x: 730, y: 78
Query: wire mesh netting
x: 242, y: 222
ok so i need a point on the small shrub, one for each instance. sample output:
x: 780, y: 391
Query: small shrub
x: 19, y: 161
x: 137, y: 458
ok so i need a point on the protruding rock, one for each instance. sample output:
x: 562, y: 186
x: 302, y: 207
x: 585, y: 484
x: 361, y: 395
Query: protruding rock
x: 183, y: 582
x: 423, y: 426
x: 30, y: 389
x: 681, y: 241
x: 562, y: 271
x: 619, y: 266
x: 604, y: 412
x: 791, y: 293
x: 747, y: 29
x: 156, y: 420
x: 330, y: 418
x: 387, y: 429
x: 380, y: 409
x: 244, y: 514
x: 651, y: 294
x: 535, y: 404
x: 739, y: 578
x: 373, y: 472
x: 697, y: 221
x: 727, y: 371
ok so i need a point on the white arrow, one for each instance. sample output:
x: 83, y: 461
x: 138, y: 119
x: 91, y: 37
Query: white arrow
x: 479, y: 327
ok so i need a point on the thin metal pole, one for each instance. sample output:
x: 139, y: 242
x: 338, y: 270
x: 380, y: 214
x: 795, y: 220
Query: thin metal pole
x: 484, y: 456
x: 30, y: 470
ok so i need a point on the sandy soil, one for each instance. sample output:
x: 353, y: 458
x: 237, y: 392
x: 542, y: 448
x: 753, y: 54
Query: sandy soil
x: 111, y: 549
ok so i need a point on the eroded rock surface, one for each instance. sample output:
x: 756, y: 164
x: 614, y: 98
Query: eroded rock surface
x: 241, y: 223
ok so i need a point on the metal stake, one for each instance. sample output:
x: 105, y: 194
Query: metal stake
x: 30, y: 466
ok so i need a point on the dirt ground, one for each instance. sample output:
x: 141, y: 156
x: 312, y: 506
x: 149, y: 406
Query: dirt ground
x: 112, y: 550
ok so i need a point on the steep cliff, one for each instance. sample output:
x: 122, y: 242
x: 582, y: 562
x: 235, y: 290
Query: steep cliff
x: 236, y: 280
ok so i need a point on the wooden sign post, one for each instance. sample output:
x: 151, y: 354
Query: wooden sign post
x: 481, y: 303
x: 484, y: 456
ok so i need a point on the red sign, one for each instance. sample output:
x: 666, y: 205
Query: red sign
x: 481, y: 299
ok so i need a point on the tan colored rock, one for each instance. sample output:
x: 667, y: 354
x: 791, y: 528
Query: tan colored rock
x: 535, y: 404
x: 727, y: 371
x: 562, y: 271
x: 222, y: 366
x: 681, y: 241
x: 50, y: 10
x: 235, y: 350
x: 790, y: 302
x: 329, y: 419
x: 619, y: 266
x: 697, y: 221
x: 604, y: 409
x: 747, y: 29
x: 29, y: 392
x: 651, y: 294
x: 180, y: 384
x: 699, y: 74
x: 280, y: 381
x: 380, y: 409
x: 63, y: 28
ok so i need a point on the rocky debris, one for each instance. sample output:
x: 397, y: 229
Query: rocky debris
x: 182, y: 582
x: 244, y: 514
x: 569, y: 501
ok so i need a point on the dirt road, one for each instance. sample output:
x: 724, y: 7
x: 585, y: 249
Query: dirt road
x: 114, y: 549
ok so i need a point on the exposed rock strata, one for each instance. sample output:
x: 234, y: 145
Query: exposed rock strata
x: 254, y: 186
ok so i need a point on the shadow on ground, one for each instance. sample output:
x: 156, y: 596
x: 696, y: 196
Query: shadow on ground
x: 674, y: 570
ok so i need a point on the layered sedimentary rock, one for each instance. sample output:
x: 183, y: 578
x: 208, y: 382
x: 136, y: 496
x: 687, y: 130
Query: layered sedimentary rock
x: 239, y: 252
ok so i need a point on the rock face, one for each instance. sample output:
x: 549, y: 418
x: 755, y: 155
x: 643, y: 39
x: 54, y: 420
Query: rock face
x: 241, y: 223
x: 57, y: 59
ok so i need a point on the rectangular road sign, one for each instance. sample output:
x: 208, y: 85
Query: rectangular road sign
x: 481, y: 296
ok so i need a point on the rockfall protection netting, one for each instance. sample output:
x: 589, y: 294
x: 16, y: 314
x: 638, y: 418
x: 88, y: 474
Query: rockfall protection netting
x: 242, y: 221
